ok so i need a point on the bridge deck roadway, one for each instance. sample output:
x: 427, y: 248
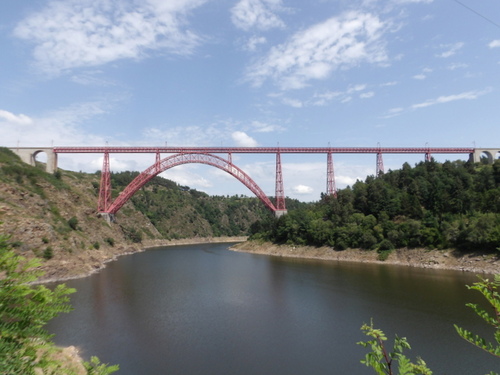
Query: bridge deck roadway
x: 268, y: 150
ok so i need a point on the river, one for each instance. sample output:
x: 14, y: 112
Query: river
x: 203, y: 309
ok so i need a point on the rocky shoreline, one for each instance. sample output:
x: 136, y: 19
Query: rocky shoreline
x: 92, y: 261
x: 423, y: 258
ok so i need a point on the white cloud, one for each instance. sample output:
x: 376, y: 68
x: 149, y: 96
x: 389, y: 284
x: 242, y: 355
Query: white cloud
x: 469, y: 95
x: 451, y: 49
x: 60, y: 127
x: 393, y: 112
x: 356, y: 88
x: 392, y: 83
x: 413, y: 1
x: 455, y: 66
x: 367, y: 95
x: 254, y: 42
x: 91, y: 78
x: 187, y: 175
x: 243, y: 140
x: 293, y: 102
x: 340, y: 42
x: 494, y: 43
x: 259, y: 14
x: 83, y: 33
x: 15, y: 119
x: 302, y: 189
x: 261, y: 127
x: 323, y: 98
x: 423, y: 75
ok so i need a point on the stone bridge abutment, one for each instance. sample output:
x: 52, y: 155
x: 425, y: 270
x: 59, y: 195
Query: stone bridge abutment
x: 491, y: 153
x: 29, y: 154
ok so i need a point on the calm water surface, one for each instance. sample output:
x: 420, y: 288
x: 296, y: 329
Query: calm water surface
x: 206, y: 310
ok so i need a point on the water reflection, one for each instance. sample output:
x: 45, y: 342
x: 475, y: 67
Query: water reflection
x: 204, y: 309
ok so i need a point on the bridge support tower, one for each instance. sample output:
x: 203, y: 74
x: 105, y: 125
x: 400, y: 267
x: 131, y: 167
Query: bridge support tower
x: 280, y: 190
x: 331, y: 188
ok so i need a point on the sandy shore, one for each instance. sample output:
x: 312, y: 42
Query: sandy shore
x: 423, y: 258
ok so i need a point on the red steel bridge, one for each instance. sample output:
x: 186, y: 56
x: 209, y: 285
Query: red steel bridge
x: 211, y: 156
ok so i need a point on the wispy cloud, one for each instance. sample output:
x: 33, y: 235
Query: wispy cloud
x: 340, y: 42
x: 393, y: 112
x: 456, y: 66
x: 258, y: 14
x: 494, y: 43
x: 254, y: 42
x: 261, y: 127
x: 11, y: 118
x: 469, y: 95
x: 450, y: 49
x: 367, y: 95
x: 71, y: 34
x: 413, y: 1
x: 295, y: 103
x: 60, y: 127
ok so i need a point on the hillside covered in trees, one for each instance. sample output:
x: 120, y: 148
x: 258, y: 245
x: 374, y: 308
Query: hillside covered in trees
x: 432, y: 205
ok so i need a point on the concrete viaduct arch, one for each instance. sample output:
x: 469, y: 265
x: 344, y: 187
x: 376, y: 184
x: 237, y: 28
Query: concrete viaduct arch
x: 111, y: 208
x: 28, y: 155
x: 491, y: 153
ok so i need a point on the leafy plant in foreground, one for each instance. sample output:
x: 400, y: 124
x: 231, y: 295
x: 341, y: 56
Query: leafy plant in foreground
x: 489, y: 289
x: 25, y: 346
x: 384, y: 362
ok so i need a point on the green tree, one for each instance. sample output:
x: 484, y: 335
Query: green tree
x: 24, y: 310
x: 25, y: 345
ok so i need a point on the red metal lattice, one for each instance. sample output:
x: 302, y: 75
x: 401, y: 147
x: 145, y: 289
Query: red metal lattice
x: 268, y: 150
x: 105, y: 187
x: 331, y: 188
x: 205, y: 155
x: 280, y: 190
x: 179, y: 159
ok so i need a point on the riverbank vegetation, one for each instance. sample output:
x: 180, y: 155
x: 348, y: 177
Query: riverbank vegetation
x: 432, y: 205
x: 25, y: 346
x: 386, y: 362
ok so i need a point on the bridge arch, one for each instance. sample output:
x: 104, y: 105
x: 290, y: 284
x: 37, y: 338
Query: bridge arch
x: 179, y: 159
x: 29, y: 156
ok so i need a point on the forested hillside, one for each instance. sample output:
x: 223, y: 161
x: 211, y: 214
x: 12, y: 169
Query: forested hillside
x: 432, y: 205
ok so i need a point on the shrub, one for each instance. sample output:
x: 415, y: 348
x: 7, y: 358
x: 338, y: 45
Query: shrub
x: 73, y: 223
x: 48, y: 253
x: 110, y: 241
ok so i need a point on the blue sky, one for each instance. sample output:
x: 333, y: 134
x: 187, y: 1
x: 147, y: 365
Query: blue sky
x: 250, y: 73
